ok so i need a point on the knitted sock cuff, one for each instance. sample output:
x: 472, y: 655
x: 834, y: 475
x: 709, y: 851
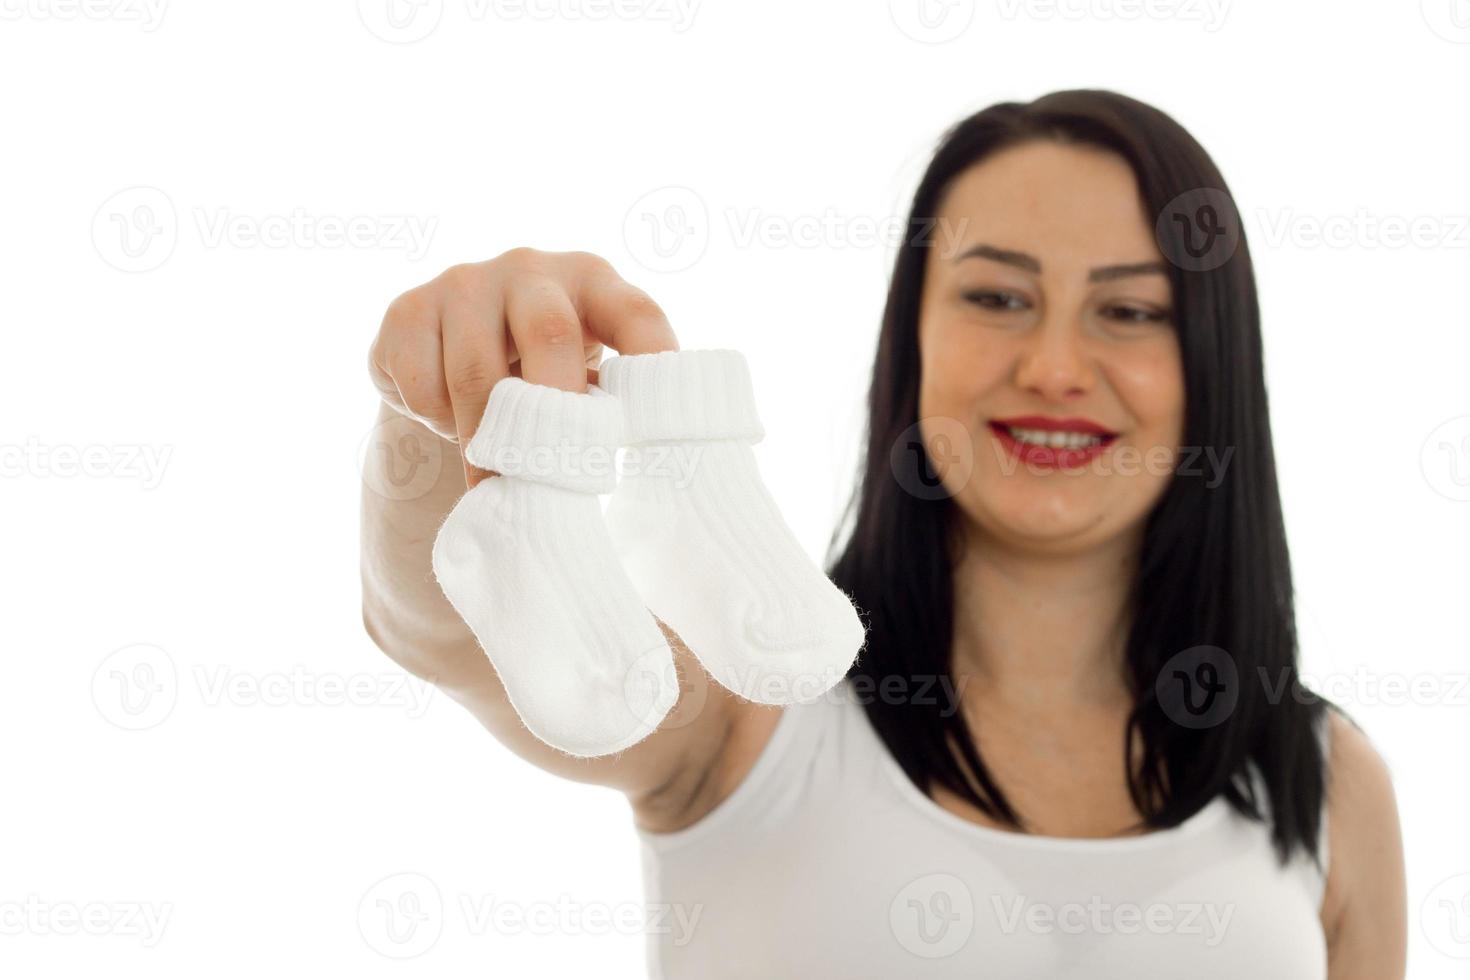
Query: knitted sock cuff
x: 547, y: 435
x: 681, y: 396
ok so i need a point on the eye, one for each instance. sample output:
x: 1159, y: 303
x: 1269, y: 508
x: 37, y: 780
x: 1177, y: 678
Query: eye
x: 1125, y: 313
x: 994, y: 299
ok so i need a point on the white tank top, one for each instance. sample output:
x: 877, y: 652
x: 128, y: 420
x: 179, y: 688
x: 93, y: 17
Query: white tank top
x: 827, y: 862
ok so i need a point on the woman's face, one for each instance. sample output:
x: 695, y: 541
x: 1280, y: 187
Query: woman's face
x: 1046, y: 305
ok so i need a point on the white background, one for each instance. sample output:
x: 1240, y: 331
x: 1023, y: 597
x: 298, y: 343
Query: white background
x: 256, y: 812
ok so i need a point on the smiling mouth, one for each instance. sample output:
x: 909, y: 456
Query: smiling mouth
x: 1060, y: 444
x: 1057, y: 440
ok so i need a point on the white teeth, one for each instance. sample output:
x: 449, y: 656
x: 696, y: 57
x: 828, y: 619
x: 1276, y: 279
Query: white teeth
x: 1056, y: 440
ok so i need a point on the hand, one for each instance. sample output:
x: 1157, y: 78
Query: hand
x: 541, y: 316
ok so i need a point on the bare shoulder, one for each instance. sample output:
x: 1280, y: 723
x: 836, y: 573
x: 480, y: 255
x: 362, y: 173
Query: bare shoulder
x: 1361, y: 804
x: 1364, y: 910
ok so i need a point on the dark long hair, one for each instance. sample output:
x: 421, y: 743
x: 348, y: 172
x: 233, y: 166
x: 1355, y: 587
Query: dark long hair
x: 1214, y: 575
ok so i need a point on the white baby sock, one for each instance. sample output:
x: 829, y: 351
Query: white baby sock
x: 526, y: 560
x: 704, y: 542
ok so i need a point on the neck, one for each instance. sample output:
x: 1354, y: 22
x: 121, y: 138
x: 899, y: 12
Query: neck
x: 1044, y: 630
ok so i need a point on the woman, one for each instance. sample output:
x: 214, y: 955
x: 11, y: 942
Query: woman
x: 1074, y: 745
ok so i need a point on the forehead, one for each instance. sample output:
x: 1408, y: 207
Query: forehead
x: 1060, y: 203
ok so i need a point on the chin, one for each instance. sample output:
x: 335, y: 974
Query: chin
x: 1033, y: 513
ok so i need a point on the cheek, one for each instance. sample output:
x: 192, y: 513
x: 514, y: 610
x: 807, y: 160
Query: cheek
x: 959, y: 365
x: 958, y: 372
x: 1151, y: 385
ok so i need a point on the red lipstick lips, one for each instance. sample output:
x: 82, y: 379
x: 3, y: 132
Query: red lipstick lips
x: 1049, y: 456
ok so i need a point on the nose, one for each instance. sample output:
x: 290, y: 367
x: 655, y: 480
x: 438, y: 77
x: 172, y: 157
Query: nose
x: 1054, y: 362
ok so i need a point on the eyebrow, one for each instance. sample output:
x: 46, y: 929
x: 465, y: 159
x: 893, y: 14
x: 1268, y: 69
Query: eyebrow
x: 1031, y: 263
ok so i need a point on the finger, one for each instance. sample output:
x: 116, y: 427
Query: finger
x: 592, y: 352
x: 411, y: 355
x: 382, y: 380
x: 474, y: 360
x: 547, y: 333
x: 623, y: 316
x: 419, y: 375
